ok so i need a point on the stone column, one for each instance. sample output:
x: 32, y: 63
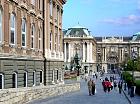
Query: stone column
x: 122, y: 54
x: 105, y: 54
x: 65, y: 52
x: 69, y: 53
x: 91, y: 52
x: 88, y: 50
x: 83, y: 52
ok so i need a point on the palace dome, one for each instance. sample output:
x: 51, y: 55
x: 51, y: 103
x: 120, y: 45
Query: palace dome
x: 77, y: 31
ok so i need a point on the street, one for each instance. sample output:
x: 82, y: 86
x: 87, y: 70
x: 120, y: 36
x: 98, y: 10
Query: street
x: 82, y: 96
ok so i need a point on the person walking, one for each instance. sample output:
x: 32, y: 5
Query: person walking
x: 93, y: 87
x: 120, y: 86
x: 90, y: 85
x: 104, y: 86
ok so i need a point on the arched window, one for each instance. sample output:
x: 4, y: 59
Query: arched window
x: 32, y: 35
x: 1, y: 81
x: 23, y: 32
x: 12, y: 29
x: 34, y: 78
x: 25, y: 79
x: 14, y: 80
x: 0, y: 25
x: 51, y: 7
x: 41, y: 76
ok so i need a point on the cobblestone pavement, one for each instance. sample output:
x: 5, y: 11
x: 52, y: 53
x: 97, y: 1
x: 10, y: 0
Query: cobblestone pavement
x: 82, y: 97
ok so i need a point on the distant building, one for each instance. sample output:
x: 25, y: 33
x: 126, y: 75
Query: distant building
x: 98, y: 53
x: 79, y: 40
x: 25, y: 42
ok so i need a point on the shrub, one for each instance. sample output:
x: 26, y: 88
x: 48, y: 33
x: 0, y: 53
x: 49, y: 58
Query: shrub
x: 137, y: 82
x: 127, y: 76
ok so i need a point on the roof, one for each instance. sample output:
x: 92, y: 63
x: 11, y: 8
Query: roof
x: 136, y: 37
x: 77, y: 31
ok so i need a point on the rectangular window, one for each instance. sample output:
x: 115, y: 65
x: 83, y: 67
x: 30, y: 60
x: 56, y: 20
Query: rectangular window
x: 23, y: 39
x: 12, y: 36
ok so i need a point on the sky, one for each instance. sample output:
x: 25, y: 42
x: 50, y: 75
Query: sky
x: 103, y: 17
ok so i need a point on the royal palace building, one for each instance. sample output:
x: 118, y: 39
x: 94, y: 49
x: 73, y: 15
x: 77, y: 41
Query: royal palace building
x: 31, y: 52
x: 78, y: 40
x: 98, y: 53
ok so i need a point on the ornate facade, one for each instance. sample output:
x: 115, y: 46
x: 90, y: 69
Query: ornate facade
x: 112, y: 51
x: 25, y: 27
x: 98, y: 53
x: 79, y: 40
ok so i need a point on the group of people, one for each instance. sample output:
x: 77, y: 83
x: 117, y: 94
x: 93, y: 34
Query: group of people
x: 108, y: 85
x: 91, y: 87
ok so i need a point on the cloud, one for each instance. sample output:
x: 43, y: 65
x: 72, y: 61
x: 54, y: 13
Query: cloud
x: 131, y: 19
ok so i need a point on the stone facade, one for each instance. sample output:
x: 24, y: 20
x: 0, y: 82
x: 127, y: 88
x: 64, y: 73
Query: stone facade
x: 98, y: 53
x: 25, y: 95
x: 79, y: 40
x: 54, y: 43
x: 25, y: 27
x: 112, y: 51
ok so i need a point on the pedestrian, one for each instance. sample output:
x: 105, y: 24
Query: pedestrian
x: 90, y: 85
x: 93, y: 87
x: 96, y: 75
x: 120, y: 86
x: 104, y: 86
x: 112, y: 84
x: 115, y: 85
x: 108, y: 86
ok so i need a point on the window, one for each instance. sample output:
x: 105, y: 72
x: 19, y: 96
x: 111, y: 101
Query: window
x: 50, y: 40
x: 41, y: 76
x: 39, y: 39
x: 25, y: 79
x: 51, y: 7
x: 23, y: 32
x: 14, y: 80
x: 40, y: 4
x: 32, y: 35
x: 0, y: 25
x: 12, y: 29
x: 1, y: 81
x: 33, y: 2
x: 57, y: 74
x: 34, y: 78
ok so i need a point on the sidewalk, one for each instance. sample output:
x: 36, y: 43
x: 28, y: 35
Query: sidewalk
x: 82, y: 97
x: 132, y: 100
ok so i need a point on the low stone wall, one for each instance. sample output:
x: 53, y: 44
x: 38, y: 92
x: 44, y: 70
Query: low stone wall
x: 24, y: 95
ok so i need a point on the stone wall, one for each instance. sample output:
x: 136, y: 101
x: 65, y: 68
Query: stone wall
x: 24, y: 95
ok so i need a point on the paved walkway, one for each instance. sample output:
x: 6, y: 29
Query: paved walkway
x: 82, y: 97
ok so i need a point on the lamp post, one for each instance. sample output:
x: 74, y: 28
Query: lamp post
x: 134, y: 57
x: 125, y: 77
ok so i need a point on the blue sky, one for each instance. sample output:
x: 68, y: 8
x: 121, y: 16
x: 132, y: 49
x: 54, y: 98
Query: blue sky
x: 103, y: 17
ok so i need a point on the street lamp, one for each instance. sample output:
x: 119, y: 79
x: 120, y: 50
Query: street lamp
x: 134, y: 57
x: 125, y: 77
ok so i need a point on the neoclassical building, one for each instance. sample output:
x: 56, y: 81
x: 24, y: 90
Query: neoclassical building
x: 98, y: 53
x: 30, y: 43
x: 54, y: 42
x: 79, y: 40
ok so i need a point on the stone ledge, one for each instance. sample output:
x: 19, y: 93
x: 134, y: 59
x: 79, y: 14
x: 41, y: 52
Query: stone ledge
x: 24, y: 95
